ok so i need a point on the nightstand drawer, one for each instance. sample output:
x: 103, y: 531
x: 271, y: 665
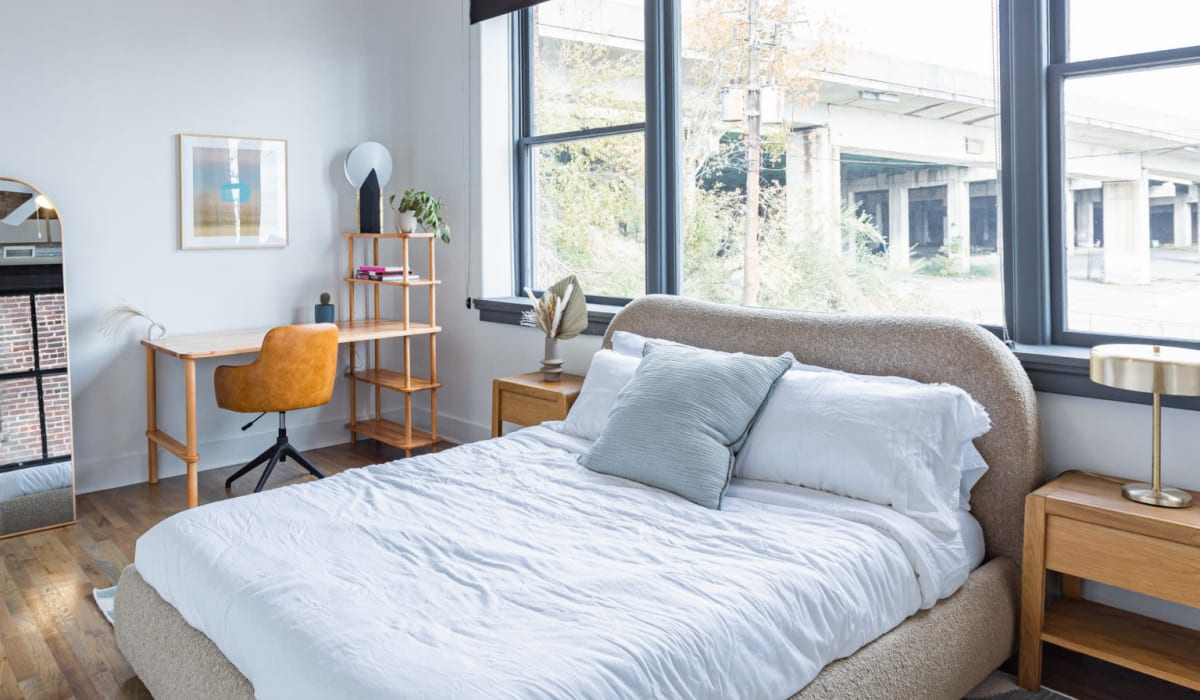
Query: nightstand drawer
x: 1148, y: 565
x: 528, y: 410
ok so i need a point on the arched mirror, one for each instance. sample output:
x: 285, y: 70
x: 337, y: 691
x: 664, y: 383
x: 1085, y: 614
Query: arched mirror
x: 37, y: 480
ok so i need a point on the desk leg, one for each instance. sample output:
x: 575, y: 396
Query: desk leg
x: 151, y: 414
x: 495, y: 409
x: 1033, y: 594
x: 192, y: 457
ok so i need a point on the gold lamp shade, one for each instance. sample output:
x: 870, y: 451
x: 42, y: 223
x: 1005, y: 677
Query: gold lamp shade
x: 1156, y: 370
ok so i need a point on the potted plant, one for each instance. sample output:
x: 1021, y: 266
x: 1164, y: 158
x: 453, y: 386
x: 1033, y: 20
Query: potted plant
x: 419, y: 207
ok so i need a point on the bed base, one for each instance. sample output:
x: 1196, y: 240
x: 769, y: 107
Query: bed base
x: 942, y: 652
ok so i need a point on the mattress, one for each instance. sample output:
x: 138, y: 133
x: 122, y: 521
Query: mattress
x: 26, y: 482
x: 505, y: 569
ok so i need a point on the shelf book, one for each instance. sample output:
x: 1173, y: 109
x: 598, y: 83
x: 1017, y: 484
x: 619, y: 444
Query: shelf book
x: 368, y: 279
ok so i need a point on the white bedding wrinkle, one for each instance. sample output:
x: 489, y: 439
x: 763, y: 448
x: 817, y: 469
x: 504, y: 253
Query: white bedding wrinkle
x: 504, y: 569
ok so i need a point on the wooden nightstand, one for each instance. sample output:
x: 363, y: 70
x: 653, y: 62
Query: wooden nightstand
x: 527, y: 399
x: 1080, y: 526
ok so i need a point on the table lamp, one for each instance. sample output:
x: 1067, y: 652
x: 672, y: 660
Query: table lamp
x: 1158, y: 370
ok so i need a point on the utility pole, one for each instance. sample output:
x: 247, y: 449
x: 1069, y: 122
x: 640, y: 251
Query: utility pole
x: 753, y: 159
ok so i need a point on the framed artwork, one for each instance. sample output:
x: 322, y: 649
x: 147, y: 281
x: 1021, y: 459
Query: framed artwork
x: 232, y: 192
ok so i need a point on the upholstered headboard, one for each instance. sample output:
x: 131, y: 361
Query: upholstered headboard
x: 921, y: 348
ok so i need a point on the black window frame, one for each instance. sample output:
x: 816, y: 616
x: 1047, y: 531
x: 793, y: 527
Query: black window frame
x: 1032, y: 38
x: 31, y: 283
x: 1059, y: 70
x: 663, y: 270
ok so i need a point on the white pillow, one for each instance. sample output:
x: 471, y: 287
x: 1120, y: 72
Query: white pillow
x: 607, y: 375
x: 628, y: 344
x: 973, y: 464
x: 895, y: 443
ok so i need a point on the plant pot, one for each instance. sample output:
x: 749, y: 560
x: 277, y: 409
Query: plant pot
x: 552, y: 364
x: 323, y: 313
x: 406, y: 221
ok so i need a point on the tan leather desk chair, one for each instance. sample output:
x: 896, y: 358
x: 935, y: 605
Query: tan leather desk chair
x: 295, y: 369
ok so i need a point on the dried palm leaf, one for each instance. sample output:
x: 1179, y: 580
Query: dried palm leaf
x: 573, y: 319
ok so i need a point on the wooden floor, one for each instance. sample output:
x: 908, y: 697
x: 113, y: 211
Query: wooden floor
x: 54, y: 643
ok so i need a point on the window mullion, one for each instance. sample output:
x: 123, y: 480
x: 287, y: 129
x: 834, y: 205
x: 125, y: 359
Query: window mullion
x: 1028, y: 255
x: 663, y: 239
x: 522, y: 86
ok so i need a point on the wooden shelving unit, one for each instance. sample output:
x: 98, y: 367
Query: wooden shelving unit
x: 401, y: 435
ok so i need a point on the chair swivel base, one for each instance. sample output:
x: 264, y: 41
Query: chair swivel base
x: 279, y: 452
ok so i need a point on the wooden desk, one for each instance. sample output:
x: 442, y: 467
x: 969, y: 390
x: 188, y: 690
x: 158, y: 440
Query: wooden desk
x: 1080, y: 526
x: 189, y: 348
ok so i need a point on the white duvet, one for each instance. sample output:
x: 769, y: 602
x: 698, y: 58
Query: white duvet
x: 503, y: 569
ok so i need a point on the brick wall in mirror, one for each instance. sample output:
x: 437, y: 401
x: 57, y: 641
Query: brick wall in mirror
x: 36, y: 471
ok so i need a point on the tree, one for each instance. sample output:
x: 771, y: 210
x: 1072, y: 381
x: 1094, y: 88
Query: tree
x: 749, y: 47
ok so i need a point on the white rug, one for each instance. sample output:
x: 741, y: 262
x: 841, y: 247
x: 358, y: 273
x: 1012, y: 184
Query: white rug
x: 105, y: 597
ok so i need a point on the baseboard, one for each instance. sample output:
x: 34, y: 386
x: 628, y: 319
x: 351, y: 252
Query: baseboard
x: 114, y: 472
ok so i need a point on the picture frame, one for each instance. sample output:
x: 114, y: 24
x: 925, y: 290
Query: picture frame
x: 233, y: 192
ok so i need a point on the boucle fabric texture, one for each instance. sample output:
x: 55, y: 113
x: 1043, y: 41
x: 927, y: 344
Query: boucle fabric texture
x: 942, y: 652
x: 37, y: 510
x: 925, y: 349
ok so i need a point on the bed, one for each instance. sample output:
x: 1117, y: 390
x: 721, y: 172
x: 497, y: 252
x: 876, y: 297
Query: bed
x: 898, y: 634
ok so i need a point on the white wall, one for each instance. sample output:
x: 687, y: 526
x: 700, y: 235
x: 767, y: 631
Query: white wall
x: 102, y: 90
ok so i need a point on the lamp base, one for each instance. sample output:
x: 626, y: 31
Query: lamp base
x: 1164, y: 498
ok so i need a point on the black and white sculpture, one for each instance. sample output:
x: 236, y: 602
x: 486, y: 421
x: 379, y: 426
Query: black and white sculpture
x: 369, y: 168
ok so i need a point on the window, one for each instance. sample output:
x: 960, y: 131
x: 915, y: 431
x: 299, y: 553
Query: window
x: 847, y: 155
x: 581, y: 146
x: 1128, y: 167
x: 842, y: 156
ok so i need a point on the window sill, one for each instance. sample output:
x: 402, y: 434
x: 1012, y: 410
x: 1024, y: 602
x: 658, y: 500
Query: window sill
x: 509, y: 309
x: 1053, y: 369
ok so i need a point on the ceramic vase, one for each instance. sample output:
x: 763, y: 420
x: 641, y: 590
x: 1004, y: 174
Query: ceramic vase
x: 406, y: 221
x: 552, y: 364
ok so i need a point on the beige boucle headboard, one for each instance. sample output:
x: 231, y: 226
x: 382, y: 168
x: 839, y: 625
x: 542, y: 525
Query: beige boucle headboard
x: 922, y: 348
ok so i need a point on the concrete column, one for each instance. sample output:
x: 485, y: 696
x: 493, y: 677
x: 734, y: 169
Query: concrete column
x: 1070, y: 235
x: 1085, y: 221
x: 814, y: 182
x: 898, y: 254
x: 1183, y: 219
x: 958, y: 218
x: 1127, y: 231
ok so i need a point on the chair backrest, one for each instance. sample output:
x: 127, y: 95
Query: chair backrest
x: 295, y: 369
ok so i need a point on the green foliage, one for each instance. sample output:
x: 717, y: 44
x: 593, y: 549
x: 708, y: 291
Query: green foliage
x: 427, y: 208
x: 590, y: 219
x: 947, y: 263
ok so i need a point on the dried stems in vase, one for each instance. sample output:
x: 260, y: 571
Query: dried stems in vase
x: 560, y: 313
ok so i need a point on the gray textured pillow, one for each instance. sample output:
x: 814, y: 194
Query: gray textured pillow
x: 673, y: 426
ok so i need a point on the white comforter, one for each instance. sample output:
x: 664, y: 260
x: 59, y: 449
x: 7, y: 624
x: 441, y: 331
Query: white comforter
x: 503, y: 569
